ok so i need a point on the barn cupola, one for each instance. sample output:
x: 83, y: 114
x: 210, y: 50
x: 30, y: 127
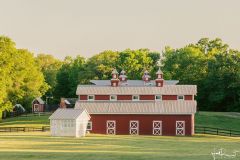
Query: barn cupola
x: 114, y: 80
x: 123, y: 77
x: 159, y: 80
x: 146, y: 77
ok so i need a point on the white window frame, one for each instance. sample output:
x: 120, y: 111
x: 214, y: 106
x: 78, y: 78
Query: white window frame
x: 89, y: 124
x: 157, y: 129
x: 134, y: 130
x: 158, y: 99
x: 179, y: 98
x: 113, y: 96
x: 91, y: 99
x: 111, y: 128
x: 135, y: 99
x: 180, y: 130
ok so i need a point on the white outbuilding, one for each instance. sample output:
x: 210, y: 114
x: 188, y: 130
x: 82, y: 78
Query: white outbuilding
x: 69, y: 122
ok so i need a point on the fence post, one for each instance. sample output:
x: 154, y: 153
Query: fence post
x: 43, y: 128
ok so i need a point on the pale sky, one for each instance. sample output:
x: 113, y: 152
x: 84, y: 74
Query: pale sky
x: 87, y: 27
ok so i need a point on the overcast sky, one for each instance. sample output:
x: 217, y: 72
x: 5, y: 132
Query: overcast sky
x: 87, y: 27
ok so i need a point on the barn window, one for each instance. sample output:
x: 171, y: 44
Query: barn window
x: 90, y: 97
x: 89, y: 126
x: 135, y: 97
x: 158, y: 97
x: 180, y: 97
x: 113, y: 98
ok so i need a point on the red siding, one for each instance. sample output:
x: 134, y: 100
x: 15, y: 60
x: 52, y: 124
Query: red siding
x: 101, y: 97
x: 188, y: 97
x: 169, y: 97
x: 147, y: 97
x: 124, y: 97
x: 83, y: 97
x: 145, y: 123
x: 40, y: 108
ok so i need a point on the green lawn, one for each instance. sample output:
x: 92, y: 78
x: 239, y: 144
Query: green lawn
x: 30, y: 121
x: 225, y: 120
x: 40, y: 146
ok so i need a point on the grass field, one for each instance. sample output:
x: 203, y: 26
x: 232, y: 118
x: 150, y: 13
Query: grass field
x: 225, y: 120
x: 40, y: 146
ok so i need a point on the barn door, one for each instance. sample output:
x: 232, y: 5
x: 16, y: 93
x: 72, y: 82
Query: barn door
x: 133, y: 130
x: 180, y: 127
x: 157, y: 127
x: 111, y: 127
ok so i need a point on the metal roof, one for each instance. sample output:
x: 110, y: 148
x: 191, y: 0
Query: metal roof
x: 143, y: 107
x: 132, y: 82
x: 40, y: 101
x: 68, y: 113
x: 131, y: 90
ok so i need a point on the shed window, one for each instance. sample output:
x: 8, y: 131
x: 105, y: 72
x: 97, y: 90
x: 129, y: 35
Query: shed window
x: 180, y: 97
x: 89, y: 126
x: 90, y: 97
x: 113, y: 98
x: 158, y: 97
x: 135, y: 97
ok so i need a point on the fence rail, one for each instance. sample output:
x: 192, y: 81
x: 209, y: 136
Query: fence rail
x: 217, y: 131
x: 25, y: 129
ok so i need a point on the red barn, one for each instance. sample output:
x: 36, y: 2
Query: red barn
x: 38, y: 105
x: 138, y: 107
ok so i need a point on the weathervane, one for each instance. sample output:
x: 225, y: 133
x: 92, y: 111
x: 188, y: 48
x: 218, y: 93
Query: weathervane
x: 159, y: 62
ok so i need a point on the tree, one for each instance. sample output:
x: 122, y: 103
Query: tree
x: 21, y: 78
x: 100, y: 66
x: 7, y: 51
x: 135, y: 62
x: 69, y: 76
x: 49, y: 66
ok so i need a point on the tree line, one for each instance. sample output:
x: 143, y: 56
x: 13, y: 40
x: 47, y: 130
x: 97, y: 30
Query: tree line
x: 209, y: 64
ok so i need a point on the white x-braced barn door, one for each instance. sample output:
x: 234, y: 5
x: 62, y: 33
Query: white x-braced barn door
x: 133, y: 127
x: 111, y: 127
x: 157, y: 127
x: 180, y: 127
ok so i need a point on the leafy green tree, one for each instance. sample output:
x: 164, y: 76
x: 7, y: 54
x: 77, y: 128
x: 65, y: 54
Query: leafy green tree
x: 21, y: 78
x: 100, y: 66
x: 134, y: 62
x: 69, y: 76
x: 7, y: 51
x: 49, y: 66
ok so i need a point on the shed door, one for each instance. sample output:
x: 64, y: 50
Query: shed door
x: 111, y: 127
x: 134, y: 127
x: 36, y: 108
x: 180, y: 127
x: 157, y: 127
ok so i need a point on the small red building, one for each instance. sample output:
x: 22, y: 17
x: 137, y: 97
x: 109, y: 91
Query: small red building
x: 38, y: 105
x: 138, y: 107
